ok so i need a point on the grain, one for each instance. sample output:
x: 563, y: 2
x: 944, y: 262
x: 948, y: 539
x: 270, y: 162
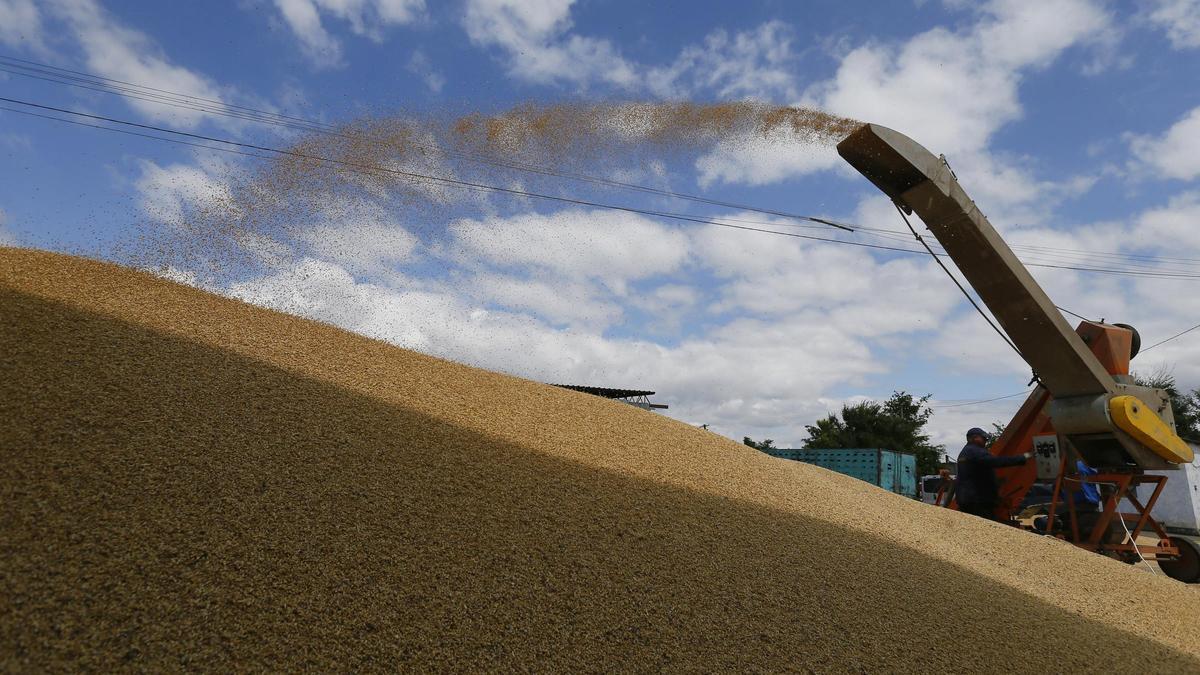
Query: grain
x: 189, y: 482
x: 258, y: 214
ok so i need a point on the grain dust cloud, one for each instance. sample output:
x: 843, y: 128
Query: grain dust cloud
x: 427, y: 168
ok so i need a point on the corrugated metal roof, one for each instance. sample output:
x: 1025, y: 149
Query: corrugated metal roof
x: 606, y: 392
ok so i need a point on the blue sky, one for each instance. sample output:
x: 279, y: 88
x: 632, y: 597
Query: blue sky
x: 1075, y: 124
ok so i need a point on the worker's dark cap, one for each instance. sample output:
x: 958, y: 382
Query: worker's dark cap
x: 976, y: 431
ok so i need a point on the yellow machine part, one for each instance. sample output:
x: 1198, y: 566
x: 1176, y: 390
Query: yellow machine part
x: 1135, y: 418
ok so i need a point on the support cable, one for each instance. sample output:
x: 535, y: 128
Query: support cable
x: 953, y: 278
x: 1077, y: 316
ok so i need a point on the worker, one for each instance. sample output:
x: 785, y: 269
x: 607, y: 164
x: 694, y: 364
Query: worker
x: 1088, y: 495
x: 976, y: 489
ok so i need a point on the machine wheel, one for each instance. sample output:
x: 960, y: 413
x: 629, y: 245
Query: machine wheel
x: 1186, y: 567
x: 1137, y: 340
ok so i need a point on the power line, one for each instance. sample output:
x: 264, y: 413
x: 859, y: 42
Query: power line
x: 69, y: 77
x: 366, y: 168
x: 1056, y: 250
x: 986, y: 400
x: 452, y: 182
x: 1180, y: 334
x: 1149, y: 269
x: 59, y: 75
x: 1020, y: 393
x: 74, y: 78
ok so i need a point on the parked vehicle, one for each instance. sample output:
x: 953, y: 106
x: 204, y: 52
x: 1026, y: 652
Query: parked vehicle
x: 892, y: 471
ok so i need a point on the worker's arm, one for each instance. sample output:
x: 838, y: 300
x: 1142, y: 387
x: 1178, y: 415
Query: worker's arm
x: 981, y: 455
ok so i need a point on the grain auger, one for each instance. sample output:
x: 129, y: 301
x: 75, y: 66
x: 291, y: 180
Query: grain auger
x: 1085, y: 408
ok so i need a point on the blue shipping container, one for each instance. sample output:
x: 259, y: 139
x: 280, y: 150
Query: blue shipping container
x: 892, y: 471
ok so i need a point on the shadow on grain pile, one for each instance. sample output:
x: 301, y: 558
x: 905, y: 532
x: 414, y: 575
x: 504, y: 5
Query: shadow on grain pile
x: 170, y: 503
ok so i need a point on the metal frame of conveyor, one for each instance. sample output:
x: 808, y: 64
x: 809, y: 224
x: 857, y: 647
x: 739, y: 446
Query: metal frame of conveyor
x: 1082, y: 390
x: 1086, y: 405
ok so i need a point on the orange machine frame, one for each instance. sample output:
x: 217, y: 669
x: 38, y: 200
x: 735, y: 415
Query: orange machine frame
x: 1112, y: 345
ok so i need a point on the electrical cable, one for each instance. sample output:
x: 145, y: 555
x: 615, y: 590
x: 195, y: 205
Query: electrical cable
x: 80, y: 76
x: 369, y: 169
x: 1135, y: 268
x: 453, y: 182
x: 478, y: 186
x: 86, y: 80
x: 69, y: 77
x: 986, y: 400
x: 1180, y: 334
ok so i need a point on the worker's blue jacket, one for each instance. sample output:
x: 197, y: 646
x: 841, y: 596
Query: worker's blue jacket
x: 976, y: 482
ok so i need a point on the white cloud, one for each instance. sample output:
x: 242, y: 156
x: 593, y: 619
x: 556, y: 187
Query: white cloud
x: 167, y: 192
x: 538, y: 46
x: 761, y: 159
x: 757, y: 63
x: 361, y: 236
x: 21, y: 25
x: 580, y: 305
x: 951, y: 90
x: 532, y: 34
x: 302, y: 17
x: 367, y: 18
x: 1175, y: 154
x: 419, y: 65
x: 865, y: 297
x: 313, y: 288
x: 1174, y: 227
x: 1180, y: 19
x: 949, y: 425
x: 575, y: 244
x: 119, y: 52
x: 967, y: 346
x: 668, y: 304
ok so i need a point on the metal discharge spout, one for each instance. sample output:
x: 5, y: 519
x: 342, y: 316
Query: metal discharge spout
x: 918, y: 181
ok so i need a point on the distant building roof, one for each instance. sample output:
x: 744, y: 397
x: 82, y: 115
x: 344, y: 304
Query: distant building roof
x: 640, y: 396
x: 606, y: 392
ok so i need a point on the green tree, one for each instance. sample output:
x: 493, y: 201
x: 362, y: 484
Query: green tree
x: 896, y: 424
x: 768, y: 444
x: 1186, y: 407
x: 997, y: 431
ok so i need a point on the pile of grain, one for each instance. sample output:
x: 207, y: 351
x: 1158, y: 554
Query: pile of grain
x: 191, y: 482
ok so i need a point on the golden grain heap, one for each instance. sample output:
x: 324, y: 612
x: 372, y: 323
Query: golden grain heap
x: 189, y: 482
